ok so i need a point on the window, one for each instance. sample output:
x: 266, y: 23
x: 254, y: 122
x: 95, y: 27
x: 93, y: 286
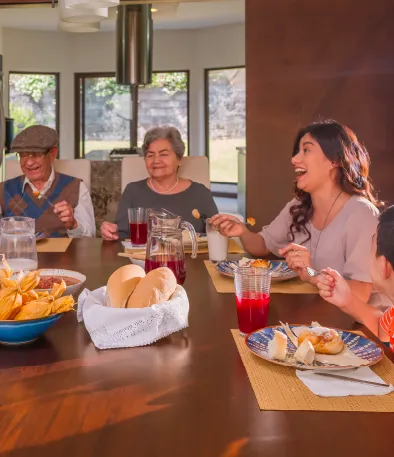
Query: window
x: 105, y: 120
x: 225, y: 118
x: 34, y: 99
x: 164, y: 102
x: 104, y: 116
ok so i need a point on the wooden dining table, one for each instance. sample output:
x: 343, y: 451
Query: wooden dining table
x: 187, y: 395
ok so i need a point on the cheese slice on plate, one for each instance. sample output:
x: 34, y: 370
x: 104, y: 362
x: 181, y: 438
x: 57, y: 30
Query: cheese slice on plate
x: 305, y: 353
x: 277, y: 347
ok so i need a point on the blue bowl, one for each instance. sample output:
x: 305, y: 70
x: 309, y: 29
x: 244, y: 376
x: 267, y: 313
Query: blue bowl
x: 22, y: 332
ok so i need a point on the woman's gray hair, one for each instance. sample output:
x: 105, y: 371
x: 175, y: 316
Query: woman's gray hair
x: 165, y: 133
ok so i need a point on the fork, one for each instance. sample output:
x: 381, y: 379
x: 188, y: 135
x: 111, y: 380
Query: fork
x: 40, y: 195
x: 313, y: 273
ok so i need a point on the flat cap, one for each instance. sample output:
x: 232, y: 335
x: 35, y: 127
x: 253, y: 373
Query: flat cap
x: 37, y: 138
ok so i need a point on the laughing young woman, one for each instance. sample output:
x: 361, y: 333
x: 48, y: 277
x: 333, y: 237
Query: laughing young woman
x: 333, y: 216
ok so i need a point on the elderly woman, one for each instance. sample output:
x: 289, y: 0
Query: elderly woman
x: 163, y: 150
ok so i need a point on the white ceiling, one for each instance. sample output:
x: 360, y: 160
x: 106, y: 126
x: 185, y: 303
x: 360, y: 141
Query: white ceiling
x: 190, y: 15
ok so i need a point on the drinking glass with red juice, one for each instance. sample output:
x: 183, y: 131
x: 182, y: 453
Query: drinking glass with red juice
x: 138, y: 220
x: 252, y: 295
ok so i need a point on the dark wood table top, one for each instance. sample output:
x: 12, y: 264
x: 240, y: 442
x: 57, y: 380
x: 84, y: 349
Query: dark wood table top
x: 187, y: 395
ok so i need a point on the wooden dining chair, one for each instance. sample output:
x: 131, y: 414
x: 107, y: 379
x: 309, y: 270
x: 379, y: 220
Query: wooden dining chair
x: 78, y: 168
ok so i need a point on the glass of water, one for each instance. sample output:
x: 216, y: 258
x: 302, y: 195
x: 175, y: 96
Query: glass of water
x: 217, y: 244
x: 18, y: 242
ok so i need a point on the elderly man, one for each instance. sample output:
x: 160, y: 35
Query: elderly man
x: 60, y: 204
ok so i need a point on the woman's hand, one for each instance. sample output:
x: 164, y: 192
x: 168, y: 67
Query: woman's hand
x: 109, y: 231
x: 298, y: 258
x: 333, y: 288
x: 228, y: 225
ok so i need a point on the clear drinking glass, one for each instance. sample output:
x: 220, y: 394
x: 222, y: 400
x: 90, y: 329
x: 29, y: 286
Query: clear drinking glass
x: 217, y: 244
x: 18, y: 242
x: 138, y: 220
x: 252, y: 295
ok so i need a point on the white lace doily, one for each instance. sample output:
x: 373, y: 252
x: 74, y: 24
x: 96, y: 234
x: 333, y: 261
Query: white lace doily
x: 130, y: 327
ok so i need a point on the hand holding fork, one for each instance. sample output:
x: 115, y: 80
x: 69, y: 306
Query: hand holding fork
x: 63, y: 209
x: 38, y: 194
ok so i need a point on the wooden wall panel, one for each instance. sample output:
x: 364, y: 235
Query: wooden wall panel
x: 307, y: 60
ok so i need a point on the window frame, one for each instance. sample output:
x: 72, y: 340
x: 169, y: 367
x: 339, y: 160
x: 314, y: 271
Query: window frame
x: 78, y: 111
x: 56, y: 74
x: 206, y: 118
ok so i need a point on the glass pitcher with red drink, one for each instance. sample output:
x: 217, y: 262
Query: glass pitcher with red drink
x: 164, y: 246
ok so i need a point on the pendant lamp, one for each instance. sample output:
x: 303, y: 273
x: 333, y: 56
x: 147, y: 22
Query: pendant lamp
x: 81, y: 27
x: 81, y: 16
x: 89, y: 4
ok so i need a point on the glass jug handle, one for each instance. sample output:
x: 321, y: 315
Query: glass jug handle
x: 187, y: 226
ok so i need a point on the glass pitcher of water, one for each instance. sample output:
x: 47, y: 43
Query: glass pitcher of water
x: 164, y: 246
x: 18, y: 242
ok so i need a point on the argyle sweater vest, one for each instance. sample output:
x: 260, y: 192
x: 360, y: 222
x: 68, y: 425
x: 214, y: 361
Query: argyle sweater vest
x: 16, y: 201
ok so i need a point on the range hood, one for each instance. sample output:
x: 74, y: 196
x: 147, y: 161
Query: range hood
x: 134, y: 44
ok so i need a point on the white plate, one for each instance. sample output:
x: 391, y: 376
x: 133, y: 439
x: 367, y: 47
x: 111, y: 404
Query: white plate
x: 140, y: 263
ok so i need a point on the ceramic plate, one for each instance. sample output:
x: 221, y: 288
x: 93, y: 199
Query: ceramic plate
x: 279, y: 270
x: 127, y: 244
x: 202, y: 239
x: 257, y: 342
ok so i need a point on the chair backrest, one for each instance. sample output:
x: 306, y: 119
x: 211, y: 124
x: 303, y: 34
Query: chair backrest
x: 195, y: 168
x: 78, y: 168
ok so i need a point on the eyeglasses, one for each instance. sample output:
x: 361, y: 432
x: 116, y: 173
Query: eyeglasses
x: 35, y: 155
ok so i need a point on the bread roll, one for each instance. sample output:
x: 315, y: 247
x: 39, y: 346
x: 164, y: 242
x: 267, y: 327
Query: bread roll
x: 122, y: 283
x: 324, y: 340
x: 157, y: 287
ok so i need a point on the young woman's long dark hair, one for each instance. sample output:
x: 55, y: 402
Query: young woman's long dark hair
x: 340, y: 145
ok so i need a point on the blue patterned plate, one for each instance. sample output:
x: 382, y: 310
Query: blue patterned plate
x: 40, y: 236
x: 355, y: 345
x: 279, y: 270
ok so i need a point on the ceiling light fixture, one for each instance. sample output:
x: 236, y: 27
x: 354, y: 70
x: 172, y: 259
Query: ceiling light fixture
x: 82, y: 16
x: 78, y: 28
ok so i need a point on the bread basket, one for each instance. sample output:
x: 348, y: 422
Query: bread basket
x: 125, y: 327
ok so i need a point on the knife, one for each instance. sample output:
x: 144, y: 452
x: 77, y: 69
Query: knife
x: 345, y: 378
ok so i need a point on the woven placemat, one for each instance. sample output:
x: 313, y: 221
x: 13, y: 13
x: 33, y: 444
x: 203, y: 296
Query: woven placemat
x: 277, y: 388
x: 225, y: 285
x: 53, y: 244
x: 233, y: 248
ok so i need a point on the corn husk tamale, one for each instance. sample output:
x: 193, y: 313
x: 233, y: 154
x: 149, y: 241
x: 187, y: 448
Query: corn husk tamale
x: 13, y: 291
x: 54, y: 303
x: 5, y: 272
x: 29, y: 296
